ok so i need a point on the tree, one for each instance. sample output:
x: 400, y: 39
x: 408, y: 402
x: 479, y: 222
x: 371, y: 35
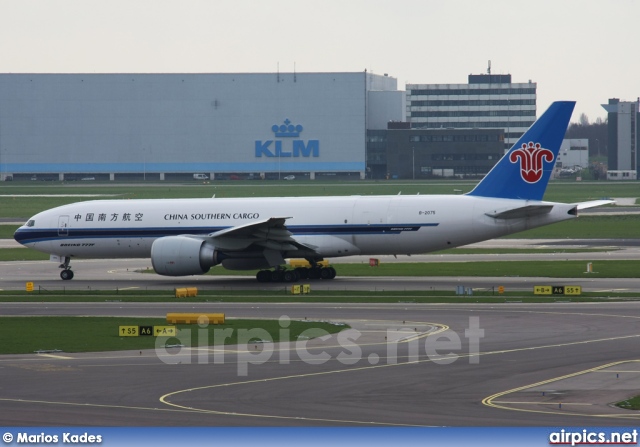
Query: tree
x: 584, y: 119
x: 596, y: 133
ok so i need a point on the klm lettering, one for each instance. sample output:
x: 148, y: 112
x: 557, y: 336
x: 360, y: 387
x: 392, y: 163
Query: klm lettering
x: 271, y: 148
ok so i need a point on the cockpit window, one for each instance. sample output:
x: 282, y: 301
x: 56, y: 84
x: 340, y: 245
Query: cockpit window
x: 30, y: 223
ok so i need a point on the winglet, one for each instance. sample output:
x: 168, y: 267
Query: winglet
x: 524, y: 171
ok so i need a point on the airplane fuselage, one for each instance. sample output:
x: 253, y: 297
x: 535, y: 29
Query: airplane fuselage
x: 338, y: 226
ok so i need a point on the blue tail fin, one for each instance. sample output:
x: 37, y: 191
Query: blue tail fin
x: 524, y: 171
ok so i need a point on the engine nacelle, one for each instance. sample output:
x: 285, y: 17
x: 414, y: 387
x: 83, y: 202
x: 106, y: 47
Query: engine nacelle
x: 182, y: 255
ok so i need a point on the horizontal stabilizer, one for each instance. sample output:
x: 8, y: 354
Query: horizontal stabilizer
x: 593, y: 204
x: 521, y: 212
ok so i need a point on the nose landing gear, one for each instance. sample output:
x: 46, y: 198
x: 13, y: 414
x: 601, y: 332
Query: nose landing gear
x: 66, y: 274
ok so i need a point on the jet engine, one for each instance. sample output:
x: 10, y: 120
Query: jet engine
x: 182, y: 255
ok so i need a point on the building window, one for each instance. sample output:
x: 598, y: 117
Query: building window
x: 474, y: 102
x: 479, y: 92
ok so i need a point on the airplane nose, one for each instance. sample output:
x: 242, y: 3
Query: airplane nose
x: 18, y: 236
x: 21, y: 236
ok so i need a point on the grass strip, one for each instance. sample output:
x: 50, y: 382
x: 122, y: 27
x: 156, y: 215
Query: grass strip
x: 6, y: 231
x: 21, y: 254
x: 519, y: 251
x: 549, y: 269
x: 629, y: 404
x: 282, y: 295
x: 621, y: 226
x: 22, y: 335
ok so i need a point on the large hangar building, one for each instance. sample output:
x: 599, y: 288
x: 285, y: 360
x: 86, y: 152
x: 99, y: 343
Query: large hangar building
x: 171, y: 126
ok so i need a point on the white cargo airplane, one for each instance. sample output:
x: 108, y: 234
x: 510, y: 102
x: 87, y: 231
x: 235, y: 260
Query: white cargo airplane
x: 189, y: 236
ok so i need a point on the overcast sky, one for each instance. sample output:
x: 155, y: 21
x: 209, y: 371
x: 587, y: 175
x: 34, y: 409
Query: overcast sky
x: 583, y: 50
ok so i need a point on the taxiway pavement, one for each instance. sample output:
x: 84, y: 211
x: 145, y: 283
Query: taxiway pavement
x: 513, y: 357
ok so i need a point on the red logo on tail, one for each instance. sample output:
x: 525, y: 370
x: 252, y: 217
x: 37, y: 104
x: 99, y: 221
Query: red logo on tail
x: 531, y: 161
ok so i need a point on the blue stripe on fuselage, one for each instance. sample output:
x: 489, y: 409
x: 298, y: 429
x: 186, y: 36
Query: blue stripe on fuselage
x: 26, y: 236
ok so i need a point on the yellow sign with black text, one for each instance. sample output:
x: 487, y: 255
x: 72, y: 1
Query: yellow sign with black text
x: 128, y: 331
x: 542, y: 290
x: 156, y: 331
x: 164, y: 331
x: 557, y: 290
x: 572, y: 290
x: 298, y: 289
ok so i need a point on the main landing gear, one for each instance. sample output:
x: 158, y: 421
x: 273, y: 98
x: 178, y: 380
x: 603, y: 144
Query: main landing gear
x: 66, y: 274
x: 297, y: 274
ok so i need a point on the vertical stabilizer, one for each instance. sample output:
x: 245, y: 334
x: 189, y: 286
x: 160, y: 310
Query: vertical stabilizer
x: 524, y: 171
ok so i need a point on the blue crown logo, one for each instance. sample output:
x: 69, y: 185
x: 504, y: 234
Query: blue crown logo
x: 287, y: 129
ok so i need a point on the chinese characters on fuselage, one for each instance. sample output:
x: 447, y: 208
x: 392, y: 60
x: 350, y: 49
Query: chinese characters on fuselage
x: 113, y: 217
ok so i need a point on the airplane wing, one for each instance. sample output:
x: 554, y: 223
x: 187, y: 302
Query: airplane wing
x: 520, y: 212
x: 270, y: 234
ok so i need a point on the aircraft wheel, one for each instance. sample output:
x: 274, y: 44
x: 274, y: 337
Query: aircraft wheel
x: 263, y: 276
x: 314, y: 273
x: 333, y: 272
x: 66, y: 275
x: 303, y: 273
x: 276, y: 276
x: 325, y: 273
x: 289, y: 276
